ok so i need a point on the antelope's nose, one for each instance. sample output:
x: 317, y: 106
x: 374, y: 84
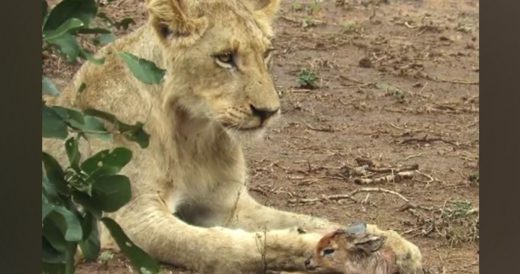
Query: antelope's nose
x: 309, y: 265
x: 263, y: 113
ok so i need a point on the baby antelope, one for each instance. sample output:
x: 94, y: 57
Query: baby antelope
x: 343, y: 251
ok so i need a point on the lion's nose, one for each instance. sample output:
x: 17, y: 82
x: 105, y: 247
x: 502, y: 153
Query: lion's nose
x: 263, y: 113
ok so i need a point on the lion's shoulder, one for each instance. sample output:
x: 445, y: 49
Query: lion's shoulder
x: 110, y: 86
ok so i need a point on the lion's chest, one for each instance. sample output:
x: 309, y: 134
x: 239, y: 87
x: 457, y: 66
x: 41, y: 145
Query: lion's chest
x: 203, y: 194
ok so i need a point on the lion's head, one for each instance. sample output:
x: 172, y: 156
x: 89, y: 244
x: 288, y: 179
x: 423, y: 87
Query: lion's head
x: 217, y: 54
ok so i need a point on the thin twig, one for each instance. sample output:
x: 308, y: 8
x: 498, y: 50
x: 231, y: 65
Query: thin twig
x: 413, y: 156
x: 453, y: 81
x: 394, y: 170
x: 409, y: 26
x: 425, y: 139
x: 431, y: 179
x: 290, y: 19
x: 396, y: 177
x: 329, y: 129
x: 259, y: 190
x: 351, y: 79
x: 350, y: 196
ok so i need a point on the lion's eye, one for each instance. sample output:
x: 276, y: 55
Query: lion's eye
x: 328, y: 251
x: 225, y: 59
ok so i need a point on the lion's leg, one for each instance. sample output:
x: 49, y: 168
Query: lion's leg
x: 150, y: 225
x: 251, y: 215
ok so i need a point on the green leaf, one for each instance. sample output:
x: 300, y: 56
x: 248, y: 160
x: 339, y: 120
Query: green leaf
x: 65, y: 28
x: 68, y: 223
x: 87, y: 124
x: 47, y: 207
x: 88, y: 223
x: 91, y: 244
x: 71, y: 146
x: 71, y: 250
x: 107, y: 162
x: 50, y: 254
x: 133, y: 133
x: 53, y: 235
x: 141, y: 261
x: 67, y: 46
x: 48, y: 87
x: 111, y: 192
x: 90, y: 57
x: 84, y: 10
x: 54, y: 173
x: 144, y: 70
x: 136, y: 134
x: 103, y: 115
x: 93, y: 127
x: 53, y: 125
x: 45, y: 11
x: 104, y: 39
x: 50, y: 268
x: 54, y: 262
x: 72, y: 117
x: 88, y: 203
x: 79, y: 182
x: 49, y: 191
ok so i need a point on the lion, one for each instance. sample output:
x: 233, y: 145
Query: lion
x: 190, y: 205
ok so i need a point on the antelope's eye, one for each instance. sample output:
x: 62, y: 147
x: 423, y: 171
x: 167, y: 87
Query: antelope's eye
x: 225, y: 58
x: 328, y: 251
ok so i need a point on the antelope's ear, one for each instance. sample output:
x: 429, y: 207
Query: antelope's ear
x: 356, y: 228
x: 172, y: 19
x: 368, y: 244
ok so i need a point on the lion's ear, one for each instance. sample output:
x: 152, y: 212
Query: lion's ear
x: 172, y: 18
x: 270, y: 9
x: 264, y: 9
x: 264, y: 12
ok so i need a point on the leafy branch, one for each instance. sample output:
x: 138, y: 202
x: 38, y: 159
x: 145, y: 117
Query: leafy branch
x: 75, y: 197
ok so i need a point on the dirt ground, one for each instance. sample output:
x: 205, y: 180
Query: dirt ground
x: 397, y: 96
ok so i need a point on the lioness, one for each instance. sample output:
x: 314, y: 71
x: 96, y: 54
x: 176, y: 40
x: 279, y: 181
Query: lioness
x: 190, y: 204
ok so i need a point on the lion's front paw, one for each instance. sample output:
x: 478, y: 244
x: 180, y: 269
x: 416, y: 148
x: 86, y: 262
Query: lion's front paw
x: 408, y: 255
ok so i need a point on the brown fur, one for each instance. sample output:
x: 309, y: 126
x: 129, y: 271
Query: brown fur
x: 190, y: 204
x: 353, y: 254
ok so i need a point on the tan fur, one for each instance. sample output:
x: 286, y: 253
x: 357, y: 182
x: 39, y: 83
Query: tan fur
x: 194, y: 167
x: 353, y: 254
